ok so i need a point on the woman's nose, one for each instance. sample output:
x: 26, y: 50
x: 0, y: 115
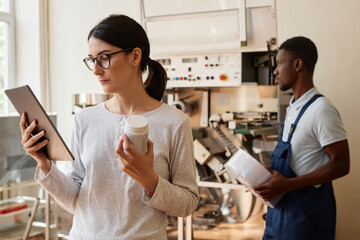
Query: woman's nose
x: 97, y: 69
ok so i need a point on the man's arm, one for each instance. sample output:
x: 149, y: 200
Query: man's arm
x: 338, y: 166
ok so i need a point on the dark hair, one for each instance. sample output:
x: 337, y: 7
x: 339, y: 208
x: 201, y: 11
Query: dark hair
x: 303, y: 48
x: 124, y: 32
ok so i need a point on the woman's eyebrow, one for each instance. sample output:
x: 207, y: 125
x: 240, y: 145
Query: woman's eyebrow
x: 103, y: 51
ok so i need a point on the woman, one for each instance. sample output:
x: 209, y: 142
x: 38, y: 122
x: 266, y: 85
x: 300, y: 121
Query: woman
x: 114, y: 195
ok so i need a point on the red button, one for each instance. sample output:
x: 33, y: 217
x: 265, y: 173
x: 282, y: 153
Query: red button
x: 223, y: 77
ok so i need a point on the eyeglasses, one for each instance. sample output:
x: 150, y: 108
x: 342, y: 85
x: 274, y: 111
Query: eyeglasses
x: 103, y: 60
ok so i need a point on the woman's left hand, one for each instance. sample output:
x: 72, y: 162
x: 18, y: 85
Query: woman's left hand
x: 138, y: 166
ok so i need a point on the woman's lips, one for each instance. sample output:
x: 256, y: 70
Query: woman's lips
x: 103, y: 81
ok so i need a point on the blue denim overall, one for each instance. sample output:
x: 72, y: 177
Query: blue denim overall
x: 306, y: 213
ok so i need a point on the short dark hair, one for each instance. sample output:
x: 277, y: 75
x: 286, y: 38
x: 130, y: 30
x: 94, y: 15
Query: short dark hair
x: 124, y: 32
x: 303, y: 48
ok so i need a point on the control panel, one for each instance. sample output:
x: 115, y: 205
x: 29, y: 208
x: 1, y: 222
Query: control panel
x: 212, y: 70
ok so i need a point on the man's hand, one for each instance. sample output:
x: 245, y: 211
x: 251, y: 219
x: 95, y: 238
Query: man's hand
x: 277, y: 185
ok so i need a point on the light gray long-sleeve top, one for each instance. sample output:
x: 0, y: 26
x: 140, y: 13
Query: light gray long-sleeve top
x: 106, y: 202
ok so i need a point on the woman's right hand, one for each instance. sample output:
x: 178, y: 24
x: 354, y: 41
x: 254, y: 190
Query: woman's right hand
x: 31, y: 146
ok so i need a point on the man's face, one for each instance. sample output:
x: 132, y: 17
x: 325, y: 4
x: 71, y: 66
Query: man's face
x: 285, y: 71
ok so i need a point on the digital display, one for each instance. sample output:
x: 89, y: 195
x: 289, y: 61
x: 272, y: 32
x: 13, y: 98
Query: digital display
x: 189, y: 60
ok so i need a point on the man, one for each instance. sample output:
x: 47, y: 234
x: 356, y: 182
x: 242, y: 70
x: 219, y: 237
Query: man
x: 311, y: 152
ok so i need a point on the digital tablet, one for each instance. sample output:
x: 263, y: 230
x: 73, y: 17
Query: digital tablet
x: 24, y: 100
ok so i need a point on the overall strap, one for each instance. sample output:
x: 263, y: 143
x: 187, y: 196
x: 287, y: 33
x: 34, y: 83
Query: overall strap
x: 303, y: 109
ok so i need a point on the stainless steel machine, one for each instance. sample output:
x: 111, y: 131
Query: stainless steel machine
x: 224, y: 119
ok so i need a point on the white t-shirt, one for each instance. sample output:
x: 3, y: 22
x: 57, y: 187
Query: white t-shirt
x: 319, y: 126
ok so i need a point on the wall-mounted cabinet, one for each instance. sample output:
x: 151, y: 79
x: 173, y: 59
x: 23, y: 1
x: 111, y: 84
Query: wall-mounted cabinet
x: 208, y: 25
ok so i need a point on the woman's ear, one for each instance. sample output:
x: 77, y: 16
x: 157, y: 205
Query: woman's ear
x: 136, y: 55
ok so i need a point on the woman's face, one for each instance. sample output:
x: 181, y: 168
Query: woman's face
x: 118, y: 76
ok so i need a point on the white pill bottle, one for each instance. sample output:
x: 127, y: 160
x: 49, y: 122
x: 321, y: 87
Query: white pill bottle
x: 137, y: 129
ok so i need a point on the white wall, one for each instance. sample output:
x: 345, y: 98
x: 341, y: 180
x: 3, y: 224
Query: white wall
x: 69, y: 25
x: 333, y: 26
x: 27, y: 44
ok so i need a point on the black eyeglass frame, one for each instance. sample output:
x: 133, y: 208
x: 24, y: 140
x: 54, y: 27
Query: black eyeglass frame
x: 105, y: 54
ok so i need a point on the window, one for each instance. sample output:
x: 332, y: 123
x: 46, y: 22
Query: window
x: 6, y: 51
x: 4, y: 5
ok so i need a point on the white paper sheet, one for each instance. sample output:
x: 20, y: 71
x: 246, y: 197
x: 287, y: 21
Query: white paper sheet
x: 250, y: 173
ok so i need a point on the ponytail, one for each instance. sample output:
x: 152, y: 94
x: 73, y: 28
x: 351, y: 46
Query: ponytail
x: 155, y: 83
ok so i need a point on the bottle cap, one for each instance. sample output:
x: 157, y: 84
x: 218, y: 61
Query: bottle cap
x: 137, y: 123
